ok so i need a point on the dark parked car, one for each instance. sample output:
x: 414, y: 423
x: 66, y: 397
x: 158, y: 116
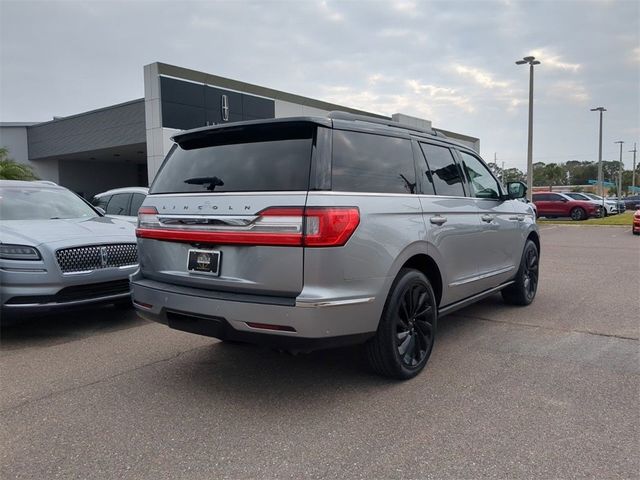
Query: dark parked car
x: 632, y: 202
x: 553, y: 205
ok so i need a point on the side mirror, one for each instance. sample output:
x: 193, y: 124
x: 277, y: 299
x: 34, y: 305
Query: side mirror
x: 516, y: 190
x: 100, y: 210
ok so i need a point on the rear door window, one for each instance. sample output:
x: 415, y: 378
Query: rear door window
x: 364, y: 162
x: 136, y: 203
x: 267, y: 157
x: 443, y: 171
x: 119, y: 204
x: 101, y: 201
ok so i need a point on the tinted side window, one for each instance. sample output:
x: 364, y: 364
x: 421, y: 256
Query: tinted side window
x: 540, y: 197
x: 554, y: 198
x: 364, y: 162
x: 119, y: 204
x: 442, y: 170
x: 482, y: 183
x: 136, y: 202
x: 101, y: 202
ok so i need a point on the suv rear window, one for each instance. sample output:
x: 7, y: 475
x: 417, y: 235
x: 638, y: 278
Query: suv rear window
x: 364, y: 162
x: 271, y: 157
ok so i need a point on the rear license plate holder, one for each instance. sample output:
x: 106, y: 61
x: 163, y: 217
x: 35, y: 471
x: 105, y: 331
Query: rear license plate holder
x: 206, y: 262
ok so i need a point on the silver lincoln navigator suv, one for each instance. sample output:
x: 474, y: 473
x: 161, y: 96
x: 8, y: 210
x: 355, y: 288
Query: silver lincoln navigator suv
x: 305, y: 233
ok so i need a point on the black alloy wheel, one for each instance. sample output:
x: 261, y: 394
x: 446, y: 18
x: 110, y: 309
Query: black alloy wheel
x: 525, y: 286
x: 414, y: 325
x: 406, y: 332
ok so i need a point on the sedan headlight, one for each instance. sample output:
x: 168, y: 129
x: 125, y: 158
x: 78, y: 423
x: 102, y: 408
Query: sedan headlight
x: 18, y: 252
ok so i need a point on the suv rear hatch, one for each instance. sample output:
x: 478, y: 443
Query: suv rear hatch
x: 226, y: 211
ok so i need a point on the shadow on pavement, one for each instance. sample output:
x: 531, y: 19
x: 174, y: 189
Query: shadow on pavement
x: 61, y: 327
x: 245, y: 372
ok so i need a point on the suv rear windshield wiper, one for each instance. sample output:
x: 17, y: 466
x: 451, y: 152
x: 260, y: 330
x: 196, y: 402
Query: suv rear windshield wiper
x: 212, y: 182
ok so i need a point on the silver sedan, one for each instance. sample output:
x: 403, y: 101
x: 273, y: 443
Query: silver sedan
x: 56, y: 251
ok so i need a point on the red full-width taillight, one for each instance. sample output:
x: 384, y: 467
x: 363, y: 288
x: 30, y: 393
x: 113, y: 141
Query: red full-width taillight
x: 329, y: 226
x: 274, y: 226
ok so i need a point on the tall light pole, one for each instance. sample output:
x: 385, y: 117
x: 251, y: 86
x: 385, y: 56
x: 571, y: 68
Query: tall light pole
x: 633, y: 173
x: 531, y: 61
x: 600, y: 179
x: 620, y: 171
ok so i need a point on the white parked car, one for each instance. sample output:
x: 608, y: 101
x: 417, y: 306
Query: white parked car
x: 122, y: 203
x: 610, y: 208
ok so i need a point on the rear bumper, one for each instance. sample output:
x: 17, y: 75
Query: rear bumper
x: 319, y: 324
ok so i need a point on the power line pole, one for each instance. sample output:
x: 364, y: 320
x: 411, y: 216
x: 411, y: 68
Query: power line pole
x: 633, y: 173
x: 620, y: 168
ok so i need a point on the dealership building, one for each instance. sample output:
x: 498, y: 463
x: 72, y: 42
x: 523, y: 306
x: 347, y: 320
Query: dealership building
x: 124, y: 145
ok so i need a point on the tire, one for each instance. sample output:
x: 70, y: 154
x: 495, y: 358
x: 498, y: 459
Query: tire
x: 523, y: 291
x: 604, y: 212
x: 578, y: 213
x: 406, y: 332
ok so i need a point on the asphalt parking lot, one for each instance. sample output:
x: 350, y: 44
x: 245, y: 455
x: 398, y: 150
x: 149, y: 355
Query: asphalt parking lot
x: 547, y: 391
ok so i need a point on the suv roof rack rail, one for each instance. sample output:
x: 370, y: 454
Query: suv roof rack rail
x: 340, y: 115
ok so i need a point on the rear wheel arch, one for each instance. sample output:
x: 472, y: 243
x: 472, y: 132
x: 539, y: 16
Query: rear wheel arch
x: 427, y: 265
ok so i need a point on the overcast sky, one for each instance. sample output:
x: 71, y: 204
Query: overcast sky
x: 450, y: 62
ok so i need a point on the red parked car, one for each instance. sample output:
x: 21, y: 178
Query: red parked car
x: 553, y: 205
x: 636, y: 223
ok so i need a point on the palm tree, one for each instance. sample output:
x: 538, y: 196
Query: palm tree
x: 12, y: 170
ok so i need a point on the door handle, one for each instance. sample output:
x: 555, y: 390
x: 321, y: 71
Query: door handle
x: 487, y: 218
x: 519, y: 218
x: 438, y: 220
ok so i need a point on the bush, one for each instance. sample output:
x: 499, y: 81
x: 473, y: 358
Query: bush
x: 12, y: 170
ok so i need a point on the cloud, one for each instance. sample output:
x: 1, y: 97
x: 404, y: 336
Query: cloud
x: 552, y: 60
x: 570, y: 90
x: 329, y: 12
x: 441, y: 95
x: 480, y: 77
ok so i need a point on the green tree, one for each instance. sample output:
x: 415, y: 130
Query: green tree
x: 12, y: 170
x: 554, y: 174
x: 513, y: 175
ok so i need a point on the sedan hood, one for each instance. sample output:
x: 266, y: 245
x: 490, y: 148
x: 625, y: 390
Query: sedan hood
x: 74, y: 230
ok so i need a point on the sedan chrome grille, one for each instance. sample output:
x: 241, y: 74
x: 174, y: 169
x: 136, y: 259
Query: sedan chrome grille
x: 95, y: 257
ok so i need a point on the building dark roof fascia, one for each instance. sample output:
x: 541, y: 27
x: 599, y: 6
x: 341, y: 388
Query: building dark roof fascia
x: 17, y: 124
x: 457, y: 136
x: 89, y: 112
x: 222, y: 82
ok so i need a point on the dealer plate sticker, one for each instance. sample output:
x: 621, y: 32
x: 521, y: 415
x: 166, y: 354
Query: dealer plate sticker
x: 204, y: 261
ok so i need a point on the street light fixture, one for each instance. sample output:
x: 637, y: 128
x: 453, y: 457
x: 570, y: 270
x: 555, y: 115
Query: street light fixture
x: 600, y: 179
x: 531, y: 61
x: 620, y: 171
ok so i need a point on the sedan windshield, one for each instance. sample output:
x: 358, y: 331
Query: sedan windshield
x: 20, y: 203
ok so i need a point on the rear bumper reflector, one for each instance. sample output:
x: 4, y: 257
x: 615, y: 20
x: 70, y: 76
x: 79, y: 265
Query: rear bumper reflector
x: 266, y: 326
